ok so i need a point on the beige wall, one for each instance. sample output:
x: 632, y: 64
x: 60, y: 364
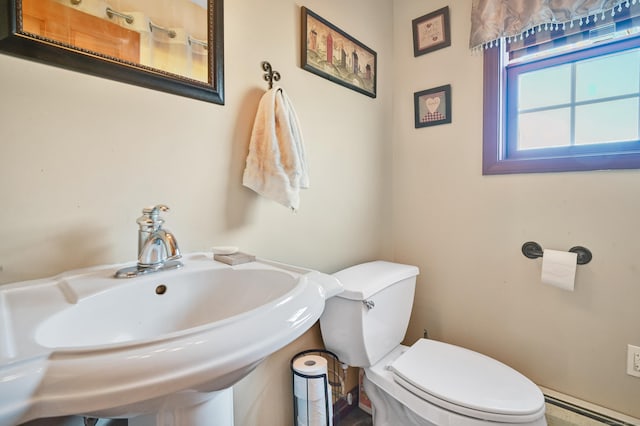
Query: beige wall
x: 80, y: 156
x: 465, y: 230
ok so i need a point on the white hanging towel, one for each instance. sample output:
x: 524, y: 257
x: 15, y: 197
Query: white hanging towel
x: 276, y: 165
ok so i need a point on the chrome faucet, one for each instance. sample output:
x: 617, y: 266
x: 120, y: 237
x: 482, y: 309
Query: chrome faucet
x: 157, y: 248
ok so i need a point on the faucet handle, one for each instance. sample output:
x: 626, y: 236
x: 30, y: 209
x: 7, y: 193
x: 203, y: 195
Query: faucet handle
x: 151, y: 217
x: 155, y: 210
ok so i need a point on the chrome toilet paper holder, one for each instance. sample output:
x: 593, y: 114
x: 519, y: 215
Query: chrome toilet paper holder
x: 533, y: 250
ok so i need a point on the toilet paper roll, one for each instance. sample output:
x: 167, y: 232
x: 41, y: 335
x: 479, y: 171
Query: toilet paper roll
x: 314, y: 413
x: 559, y: 269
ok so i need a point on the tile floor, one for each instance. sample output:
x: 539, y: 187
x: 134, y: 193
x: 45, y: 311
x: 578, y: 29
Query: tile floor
x: 356, y: 417
x: 555, y: 417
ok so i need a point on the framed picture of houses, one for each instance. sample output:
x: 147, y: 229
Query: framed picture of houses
x: 333, y: 54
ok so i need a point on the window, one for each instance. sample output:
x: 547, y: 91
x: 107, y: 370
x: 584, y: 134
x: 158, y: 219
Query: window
x: 565, y: 104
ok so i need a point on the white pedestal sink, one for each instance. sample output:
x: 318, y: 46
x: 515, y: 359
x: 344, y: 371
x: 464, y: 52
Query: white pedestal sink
x: 159, y: 349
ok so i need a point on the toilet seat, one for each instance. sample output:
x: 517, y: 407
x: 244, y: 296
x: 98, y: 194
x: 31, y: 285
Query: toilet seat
x: 467, y: 382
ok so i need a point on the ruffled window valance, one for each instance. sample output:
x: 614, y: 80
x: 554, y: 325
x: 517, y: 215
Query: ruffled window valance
x: 492, y: 20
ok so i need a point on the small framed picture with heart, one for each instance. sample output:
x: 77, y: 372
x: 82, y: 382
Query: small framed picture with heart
x: 432, y: 106
x: 431, y: 32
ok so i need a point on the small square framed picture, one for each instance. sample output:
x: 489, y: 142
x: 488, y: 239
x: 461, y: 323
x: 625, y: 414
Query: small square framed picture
x: 431, y: 32
x: 432, y: 106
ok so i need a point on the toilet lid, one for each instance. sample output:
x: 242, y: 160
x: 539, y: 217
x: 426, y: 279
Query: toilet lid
x: 461, y: 380
x: 366, y: 279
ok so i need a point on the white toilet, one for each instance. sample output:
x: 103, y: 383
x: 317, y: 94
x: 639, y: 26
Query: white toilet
x: 430, y: 383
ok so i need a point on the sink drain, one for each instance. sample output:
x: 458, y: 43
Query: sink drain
x: 161, y: 289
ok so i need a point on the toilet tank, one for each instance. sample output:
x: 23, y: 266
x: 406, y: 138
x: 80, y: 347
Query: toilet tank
x: 370, y: 317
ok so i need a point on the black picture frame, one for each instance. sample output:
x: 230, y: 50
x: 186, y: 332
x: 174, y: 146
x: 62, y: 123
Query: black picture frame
x: 431, y: 32
x: 354, y: 67
x: 432, y: 106
x: 17, y: 42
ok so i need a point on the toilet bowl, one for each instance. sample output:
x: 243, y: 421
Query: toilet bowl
x: 430, y: 383
x: 441, y: 391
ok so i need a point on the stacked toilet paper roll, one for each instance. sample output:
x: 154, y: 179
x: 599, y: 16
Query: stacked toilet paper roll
x: 312, y: 394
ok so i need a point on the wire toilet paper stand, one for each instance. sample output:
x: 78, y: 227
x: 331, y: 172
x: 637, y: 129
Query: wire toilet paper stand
x: 318, y: 382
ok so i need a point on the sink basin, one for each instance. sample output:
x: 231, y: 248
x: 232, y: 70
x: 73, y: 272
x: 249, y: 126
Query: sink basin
x: 86, y: 343
x: 163, y: 306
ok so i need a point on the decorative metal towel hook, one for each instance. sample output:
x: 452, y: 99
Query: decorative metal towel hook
x: 270, y: 75
x: 533, y: 250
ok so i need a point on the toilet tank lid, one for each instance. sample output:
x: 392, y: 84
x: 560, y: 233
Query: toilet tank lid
x: 366, y: 279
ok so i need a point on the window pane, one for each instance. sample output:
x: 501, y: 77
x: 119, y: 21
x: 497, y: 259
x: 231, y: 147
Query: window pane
x: 610, y: 75
x: 544, y: 129
x: 603, y: 122
x: 546, y: 87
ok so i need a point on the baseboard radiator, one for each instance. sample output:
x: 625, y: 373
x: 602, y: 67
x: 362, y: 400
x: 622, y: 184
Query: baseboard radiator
x: 563, y: 410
